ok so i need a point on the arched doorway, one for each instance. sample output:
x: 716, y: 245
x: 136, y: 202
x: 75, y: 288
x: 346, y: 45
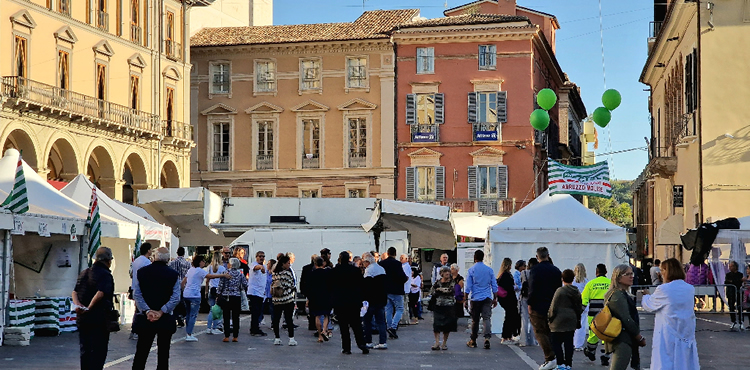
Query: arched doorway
x: 20, y: 140
x: 169, y: 178
x: 100, y: 170
x: 134, y: 178
x: 62, y: 162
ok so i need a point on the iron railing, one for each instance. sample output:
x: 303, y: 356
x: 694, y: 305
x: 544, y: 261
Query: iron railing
x: 64, y: 7
x: 654, y: 28
x: 264, y: 162
x: 173, y: 49
x: 312, y: 162
x: 177, y: 130
x: 425, y: 133
x: 220, y: 163
x: 488, y: 206
x: 136, y: 33
x: 102, y: 20
x: 357, y: 160
x: 78, y: 106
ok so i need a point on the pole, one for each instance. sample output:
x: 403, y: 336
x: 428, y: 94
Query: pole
x: 4, y: 280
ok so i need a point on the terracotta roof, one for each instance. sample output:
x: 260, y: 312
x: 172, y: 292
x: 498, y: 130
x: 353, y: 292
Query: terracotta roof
x: 465, y: 19
x: 370, y: 25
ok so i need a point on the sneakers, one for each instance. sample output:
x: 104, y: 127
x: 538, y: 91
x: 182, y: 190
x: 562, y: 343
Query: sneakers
x: 292, y: 342
x: 486, y: 344
x: 380, y: 346
x: 369, y: 345
x: 392, y: 334
x: 604, y: 360
x: 133, y: 336
x: 217, y: 331
x: 509, y: 342
x: 548, y: 365
x: 471, y: 343
x: 277, y: 342
x: 589, y: 354
x: 191, y: 338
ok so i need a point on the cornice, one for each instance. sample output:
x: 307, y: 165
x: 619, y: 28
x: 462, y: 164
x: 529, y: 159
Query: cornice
x: 479, y: 34
x: 297, y: 48
x: 327, y: 173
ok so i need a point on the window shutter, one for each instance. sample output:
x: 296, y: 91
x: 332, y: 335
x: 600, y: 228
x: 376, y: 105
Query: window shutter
x: 473, y: 186
x: 411, y: 109
x: 472, y: 107
x: 439, y: 183
x: 411, y: 183
x: 502, y: 106
x: 502, y: 182
x: 439, y: 109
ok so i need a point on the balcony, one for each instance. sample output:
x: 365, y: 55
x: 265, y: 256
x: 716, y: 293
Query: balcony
x: 654, y: 28
x: 312, y: 162
x: 425, y: 133
x: 490, y: 207
x: 67, y: 105
x: 220, y: 163
x: 177, y: 133
x: 102, y: 20
x: 264, y: 162
x: 173, y: 49
x: 135, y: 34
x: 357, y: 160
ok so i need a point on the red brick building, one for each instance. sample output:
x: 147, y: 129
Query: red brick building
x: 466, y: 84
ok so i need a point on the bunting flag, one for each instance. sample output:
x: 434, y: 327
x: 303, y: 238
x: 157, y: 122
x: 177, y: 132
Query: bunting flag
x: 138, y: 242
x: 95, y: 226
x: 585, y: 180
x: 17, y: 201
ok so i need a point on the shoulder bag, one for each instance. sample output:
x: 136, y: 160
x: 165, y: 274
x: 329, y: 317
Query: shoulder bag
x: 606, y: 326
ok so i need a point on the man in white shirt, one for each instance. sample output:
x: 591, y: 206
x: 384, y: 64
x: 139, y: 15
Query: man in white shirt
x: 436, y: 269
x: 256, y: 291
x: 655, y: 273
x: 406, y: 266
x: 143, y: 260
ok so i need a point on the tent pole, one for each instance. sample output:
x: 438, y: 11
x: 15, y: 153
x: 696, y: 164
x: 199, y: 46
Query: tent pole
x: 4, y: 279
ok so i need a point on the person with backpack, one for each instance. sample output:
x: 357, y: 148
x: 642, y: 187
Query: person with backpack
x: 283, y: 289
x: 593, y: 297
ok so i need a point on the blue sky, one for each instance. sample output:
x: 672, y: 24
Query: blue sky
x: 579, y: 52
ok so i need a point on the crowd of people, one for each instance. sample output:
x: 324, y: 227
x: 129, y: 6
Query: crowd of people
x: 368, y: 294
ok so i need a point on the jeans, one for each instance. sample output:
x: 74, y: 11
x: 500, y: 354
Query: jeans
x: 232, y: 311
x: 394, y: 309
x: 527, y: 331
x: 94, y: 343
x: 210, y: 322
x: 286, y: 310
x: 256, y: 310
x: 378, y: 313
x: 563, y: 341
x: 541, y: 331
x: 483, y: 309
x: 191, y: 306
x: 143, y: 347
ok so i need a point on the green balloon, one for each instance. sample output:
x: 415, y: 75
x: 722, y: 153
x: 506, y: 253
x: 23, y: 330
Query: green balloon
x: 611, y: 99
x: 539, y: 119
x: 546, y: 99
x: 602, y: 116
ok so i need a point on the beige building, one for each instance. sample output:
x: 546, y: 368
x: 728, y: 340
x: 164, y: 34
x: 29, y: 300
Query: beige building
x: 699, y: 168
x: 296, y: 111
x: 230, y: 13
x: 98, y: 87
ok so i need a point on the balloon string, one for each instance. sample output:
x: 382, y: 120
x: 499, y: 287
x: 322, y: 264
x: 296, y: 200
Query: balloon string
x: 604, y: 79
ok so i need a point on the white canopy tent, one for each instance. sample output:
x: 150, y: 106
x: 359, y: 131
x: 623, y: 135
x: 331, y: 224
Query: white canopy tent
x: 429, y: 226
x: 572, y: 233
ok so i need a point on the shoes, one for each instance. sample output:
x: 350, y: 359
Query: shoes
x: 217, y: 331
x: 225, y: 340
x: 421, y: 318
x: 471, y: 343
x: 380, y: 346
x: 392, y: 334
x: 234, y: 340
x: 435, y: 347
x: 346, y: 352
x: 444, y: 347
x: 509, y: 342
x: 133, y: 336
x: 277, y: 342
x: 486, y: 344
x: 548, y: 365
x: 292, y: 342
x: 259, y: 334
x: 180, y: 323
x: 589, y: 354
x: 365, y: 350
x: 579, y: 349
x: 191, y: 338
x: 325, y: 336
x: 604, y: 360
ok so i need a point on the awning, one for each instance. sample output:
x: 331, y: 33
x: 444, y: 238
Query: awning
x: 669, y: 231
x: 429, y: 226
x: 474, y: 224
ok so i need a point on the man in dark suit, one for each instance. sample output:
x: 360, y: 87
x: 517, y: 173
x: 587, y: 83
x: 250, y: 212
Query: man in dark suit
x: 347, y: 292
x: 303, y: 288
x: 156, y: 296
x: 395, y: 280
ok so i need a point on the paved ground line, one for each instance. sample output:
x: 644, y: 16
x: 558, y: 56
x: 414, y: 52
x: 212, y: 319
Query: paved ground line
x: 714, y: 322
x: 522, y: 355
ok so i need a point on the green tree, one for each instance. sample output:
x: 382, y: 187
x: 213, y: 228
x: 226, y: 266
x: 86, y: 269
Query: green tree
x: 617, y: 209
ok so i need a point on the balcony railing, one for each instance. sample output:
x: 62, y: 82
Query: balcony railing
x: 490, y: 206
x: 64, y: 7
x: 135, y: 34
x: 73, y: 106
x: 177, y: 130
x: 425, y: 133
x: 221, y: 163
x: 173, y: 49
x: 102, y: 20
x: 264, y: 162
x: 357, y: 160
x: 313, y: 162
x: 654, y: 28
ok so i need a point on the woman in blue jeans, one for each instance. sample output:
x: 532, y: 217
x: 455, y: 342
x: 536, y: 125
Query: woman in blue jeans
x: 191, y: 293
x: 215, y: 268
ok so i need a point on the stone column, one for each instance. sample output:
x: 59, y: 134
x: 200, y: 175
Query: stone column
x: 112, y: 187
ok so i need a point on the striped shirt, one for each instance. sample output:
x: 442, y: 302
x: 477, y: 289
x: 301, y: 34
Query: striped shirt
x: 287, y: 282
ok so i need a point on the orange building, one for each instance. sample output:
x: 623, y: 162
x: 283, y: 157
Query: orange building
x: 466, y: 85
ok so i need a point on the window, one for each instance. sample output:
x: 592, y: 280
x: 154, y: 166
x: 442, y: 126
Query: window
x: 487, y: 110
x: 169, y: 105
x: 101, y: 81
x: 63, y: 6
x: 220, y: 80
x: 311, y: 143
x: 264, y: 193
x: 102, y: 18
x: 264, y: 161
x: 488, y: 182
x: 691, y: 82
x: 310, y: 193
x: 135, y: 87
x: 425, y: 60
x: 425, y: 183
x: 21, y: 57
x: 358, y: 142
x: 221, y: 147
x: 356, y: 193
x: 424, y: 112
x: 63, y: 70
x: 265, y: 76
x: 356, y: 72
x: 310, y: 74
x: 135, y: 28
x: 171, y: 47
x: 487, y: 57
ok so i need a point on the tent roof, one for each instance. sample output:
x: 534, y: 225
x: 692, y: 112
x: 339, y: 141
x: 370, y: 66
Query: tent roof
x: 557, y: 218
x: 429, y: 225
x: 474, y: 224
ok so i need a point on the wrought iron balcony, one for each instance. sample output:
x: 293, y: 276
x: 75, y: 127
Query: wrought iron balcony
x: 102, y: 20
x: 357, y: 160
x: 220, y: 163
x: 312, y: 162
x: 177, y: 133
x: 173, y: 49
x: 135, y: 34
x: 72, y: 106
x: 264, y: 162
x: 654, y: 28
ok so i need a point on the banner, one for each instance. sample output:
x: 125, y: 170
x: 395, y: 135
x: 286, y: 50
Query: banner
x: 585, y: 180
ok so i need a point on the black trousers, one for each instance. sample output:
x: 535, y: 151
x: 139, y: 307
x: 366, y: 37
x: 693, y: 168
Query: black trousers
x: 143, y: 347
x: 732, y: 294
x: 94, y: 343
x: 414, y: 305
x: 232, y: 311
x: 349, y: 317
x: 256, y: 310
x: 512, y: 323
x: 563, y: 341
x: 286, y: 310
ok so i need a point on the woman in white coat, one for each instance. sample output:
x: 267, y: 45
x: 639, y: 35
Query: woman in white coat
x: 674, y: 346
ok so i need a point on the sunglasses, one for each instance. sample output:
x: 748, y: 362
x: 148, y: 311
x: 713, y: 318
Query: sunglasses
x: 628, y: 274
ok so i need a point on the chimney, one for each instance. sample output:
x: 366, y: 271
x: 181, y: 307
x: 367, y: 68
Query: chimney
x: 506, y: 7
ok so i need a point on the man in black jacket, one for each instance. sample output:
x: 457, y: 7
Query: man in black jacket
x: 93, y: 299
x: 347, y: 292
x: 303, y: 288
x: 395, y: 280
x: 544, y: 279
x: 376, y: 297
x: 156, y: 296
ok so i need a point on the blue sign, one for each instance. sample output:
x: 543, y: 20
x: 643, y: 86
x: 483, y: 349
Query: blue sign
x: 485, y: 136
x: 423, y: 137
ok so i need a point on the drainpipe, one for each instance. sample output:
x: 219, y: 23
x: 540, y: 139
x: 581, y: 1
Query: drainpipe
x: 699, y: 114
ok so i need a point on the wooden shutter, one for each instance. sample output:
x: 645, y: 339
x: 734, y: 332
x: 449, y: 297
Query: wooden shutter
x: 411, y: 183
x: 502, y: 182
x: 439, y: 183
x: 502, y: 106
x: 439, y: 108
x: 472, y: 107
x: 411, y: 109
x: 473, y: 186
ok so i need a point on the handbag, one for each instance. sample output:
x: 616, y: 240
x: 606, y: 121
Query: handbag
x: 606, y: 326
x: 501, y: 292
x: 221, y: 299
x: 432, y: 304
x: 216, y: 312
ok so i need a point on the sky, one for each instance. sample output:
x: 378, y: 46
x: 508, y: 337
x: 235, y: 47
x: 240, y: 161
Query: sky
x: 579, y: 52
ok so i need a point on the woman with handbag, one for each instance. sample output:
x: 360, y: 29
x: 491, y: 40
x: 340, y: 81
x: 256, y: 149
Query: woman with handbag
x: 214, y: 325
x: 509, y: 303
x: 442, y: 303
x: 229, y: 298
x: 283, y: 289
x: 624, y: 347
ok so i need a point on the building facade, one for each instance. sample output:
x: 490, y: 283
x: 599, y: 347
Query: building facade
x: 698, y: 161
x: 100, y: 88
x: 296, y: 111
x: 466, y: 85
x: 230, y: 13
